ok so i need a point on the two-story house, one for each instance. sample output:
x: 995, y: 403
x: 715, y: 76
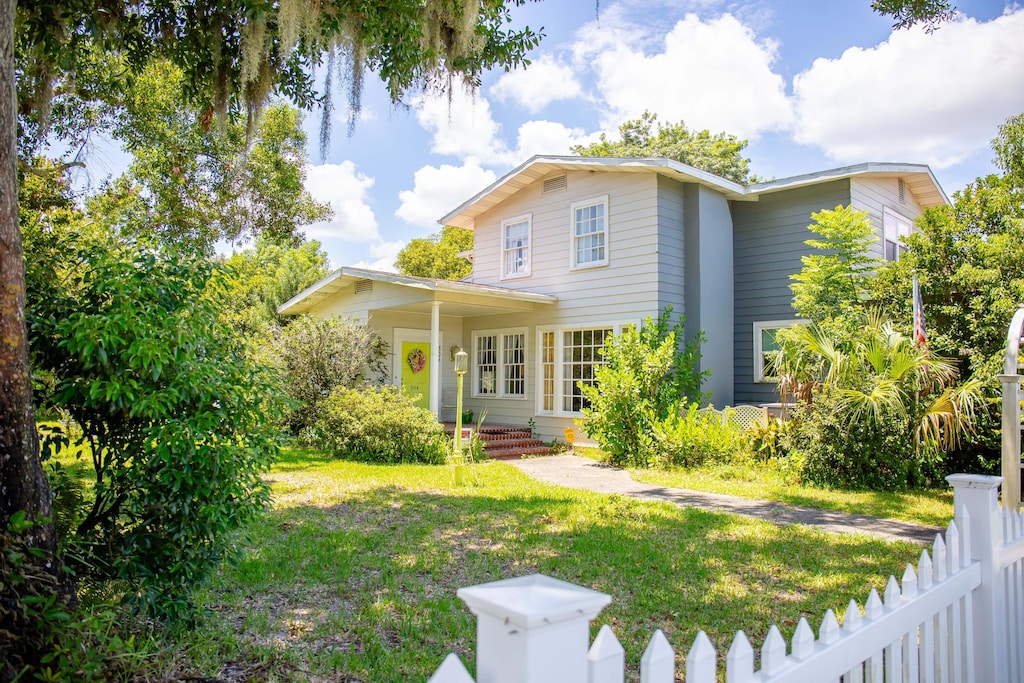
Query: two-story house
x: 568, y: 250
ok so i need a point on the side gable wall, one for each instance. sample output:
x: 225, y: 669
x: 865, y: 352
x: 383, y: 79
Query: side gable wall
x: 874, y: 195
x: 769, y: 241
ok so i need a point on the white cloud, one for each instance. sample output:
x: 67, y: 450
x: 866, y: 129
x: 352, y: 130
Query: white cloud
x: 462, y: 125
x: 543, y: 82
x: 385, y: 254
x: 712, y: 74
x: 345, y: 189
x: 548, y: 137
x: 932, y: 98
x: 439, y: 190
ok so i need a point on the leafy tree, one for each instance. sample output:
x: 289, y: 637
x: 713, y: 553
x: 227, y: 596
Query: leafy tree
x: 647, y: 375
x: 437, y: 256
x: 189, y: 187
x: 967, y: 258
x: 261, y: 279
x: 907, y: 13
x: 718, y: 153
x: 834, y: 281
x: 233, y: 54
x: 318, y: 355
x: 177, y: 423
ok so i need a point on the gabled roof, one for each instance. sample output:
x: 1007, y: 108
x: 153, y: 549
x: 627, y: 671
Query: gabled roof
x: 468, y: 294
x: 539, y: 166
x: 919, y: 179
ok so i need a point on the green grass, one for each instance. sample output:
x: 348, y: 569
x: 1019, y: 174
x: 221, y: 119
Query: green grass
x: 932, y: 507
x: 352, y: 575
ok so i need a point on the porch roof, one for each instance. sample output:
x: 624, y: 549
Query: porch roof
x: 460, y: 298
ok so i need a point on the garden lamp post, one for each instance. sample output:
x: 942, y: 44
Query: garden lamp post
x: 461, y: 365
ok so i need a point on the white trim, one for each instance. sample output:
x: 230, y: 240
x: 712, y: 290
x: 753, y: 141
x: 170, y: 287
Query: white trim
x: 559, y: 361
x: 573, y: 237
x: 760, y: 326
x: 500, y: 367
x: 525, y: 218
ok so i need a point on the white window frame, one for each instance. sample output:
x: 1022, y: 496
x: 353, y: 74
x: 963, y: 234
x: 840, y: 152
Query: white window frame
x: 559, y: 361
x: 902, y: 226
x: 502, y: 251
x: 501, y: 369
x: 759, y: 327
x: 573, y: 251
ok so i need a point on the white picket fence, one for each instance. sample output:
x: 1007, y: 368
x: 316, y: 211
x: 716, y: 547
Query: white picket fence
x: 958, y: 617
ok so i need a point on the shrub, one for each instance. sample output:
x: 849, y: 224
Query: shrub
x: 317, y: 355
x: 178, y: 422
x: 692, y: 438
x: 379, y: 424
x: 644, y: 379
x: 877, y: 454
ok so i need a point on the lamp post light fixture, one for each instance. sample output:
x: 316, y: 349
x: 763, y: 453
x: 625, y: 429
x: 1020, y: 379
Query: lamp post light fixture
x: 461, y: 366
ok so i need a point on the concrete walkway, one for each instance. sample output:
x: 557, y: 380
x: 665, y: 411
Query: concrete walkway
x: 580, y: 473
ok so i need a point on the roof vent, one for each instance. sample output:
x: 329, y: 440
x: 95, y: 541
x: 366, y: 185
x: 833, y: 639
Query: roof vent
x: 901, y: 190
x: 554, y: 184
x: 364, y: 286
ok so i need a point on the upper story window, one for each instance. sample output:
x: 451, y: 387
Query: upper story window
x: 894, y: 228
x: 589, y: 222
x: 515, y: 249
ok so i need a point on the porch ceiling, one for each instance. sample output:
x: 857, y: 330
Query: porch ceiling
x: 418, y: 294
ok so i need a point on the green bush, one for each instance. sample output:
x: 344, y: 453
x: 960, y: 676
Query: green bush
x: 176, y: 421
x: 692, y: 438
x: 875, y: 454
x: 379, y: 424
x: 316, y: 355
x: 647, y: 374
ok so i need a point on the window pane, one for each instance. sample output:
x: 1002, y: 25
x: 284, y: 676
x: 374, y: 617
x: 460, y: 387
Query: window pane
x: 486, y: 359
x: 514, y: 364
x: 516, y: 248
x: 547, y: 365
x: 589, y: 231
x: 582, y: 357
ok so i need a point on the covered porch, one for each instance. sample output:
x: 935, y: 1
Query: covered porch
x: 425, y: 321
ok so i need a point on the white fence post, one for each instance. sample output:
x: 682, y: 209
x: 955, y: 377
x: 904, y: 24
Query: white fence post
x: 532, y: 629
x: 977, y: 495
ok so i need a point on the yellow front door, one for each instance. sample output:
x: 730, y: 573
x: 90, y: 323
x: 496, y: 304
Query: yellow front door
x: 415, y: 362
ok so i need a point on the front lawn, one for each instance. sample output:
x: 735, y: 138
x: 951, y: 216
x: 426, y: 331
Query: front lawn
x: 352, y: 576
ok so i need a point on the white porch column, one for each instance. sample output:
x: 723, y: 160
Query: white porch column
x: 435, y: 358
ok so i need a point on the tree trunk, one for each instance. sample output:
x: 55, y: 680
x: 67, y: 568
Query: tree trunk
x: 23, y: 484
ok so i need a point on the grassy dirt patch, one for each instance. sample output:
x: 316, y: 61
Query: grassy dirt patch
x: 352, y: 576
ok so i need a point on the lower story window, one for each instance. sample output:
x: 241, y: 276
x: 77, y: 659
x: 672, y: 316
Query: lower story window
x: 568, y: 359
x: 766, y: 346
x: 499, y: 363
x: 581, y: 355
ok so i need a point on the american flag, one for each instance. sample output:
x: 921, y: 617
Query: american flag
x: 920, y: 336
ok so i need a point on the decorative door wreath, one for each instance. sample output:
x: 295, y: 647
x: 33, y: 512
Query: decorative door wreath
x: 417, y: 360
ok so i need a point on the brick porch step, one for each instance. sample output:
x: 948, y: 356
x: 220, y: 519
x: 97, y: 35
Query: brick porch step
x: 506, y: 441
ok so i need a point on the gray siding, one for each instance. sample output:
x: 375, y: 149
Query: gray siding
x: 671, y: 250
x: 769, y: 241
x: 710, y: 286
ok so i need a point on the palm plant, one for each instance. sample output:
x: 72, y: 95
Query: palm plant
x: 878, y: 374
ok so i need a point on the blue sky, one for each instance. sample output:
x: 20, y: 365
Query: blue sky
x: 813, y: 84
